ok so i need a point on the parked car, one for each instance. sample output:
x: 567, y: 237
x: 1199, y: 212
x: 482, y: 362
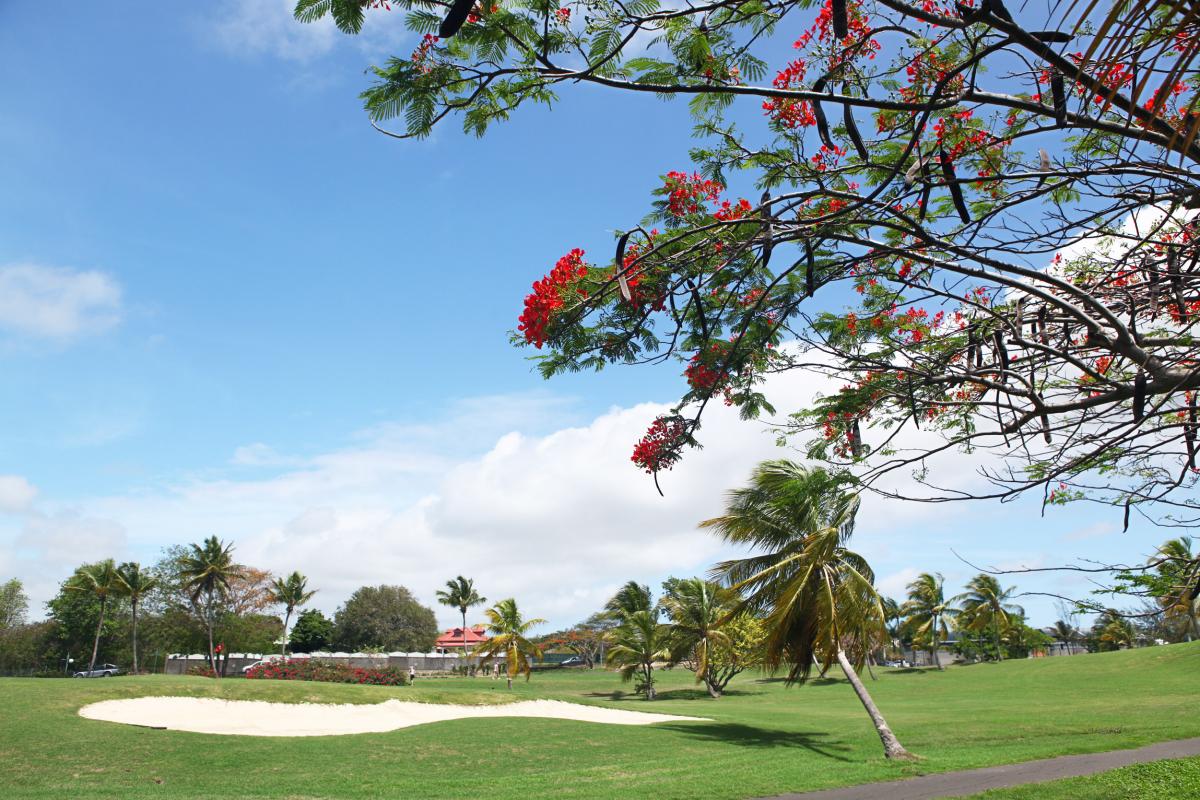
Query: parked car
x: 574, y: 661
x: 101, y: 671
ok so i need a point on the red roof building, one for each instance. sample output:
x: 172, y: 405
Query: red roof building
x: 453, y: 638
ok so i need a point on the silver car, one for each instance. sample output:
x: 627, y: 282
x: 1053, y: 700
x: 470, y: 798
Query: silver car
x: 101, y: 671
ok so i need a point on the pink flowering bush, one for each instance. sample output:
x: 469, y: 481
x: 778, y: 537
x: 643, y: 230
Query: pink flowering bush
x: 311, y: 669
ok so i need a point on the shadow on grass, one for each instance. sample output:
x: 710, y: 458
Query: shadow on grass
x: 748, y: 736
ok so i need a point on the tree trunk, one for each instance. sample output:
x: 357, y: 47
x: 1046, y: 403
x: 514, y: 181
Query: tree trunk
x: 870, y: 671
x: 212, y: 655
x: 133, y: 602
x: 649, y: 673
x: 99, y: 626
x: 287, y: 617
x: 937, y: 661
x: 999, y: 652
x: 464, y: 638
x: 891, y: 745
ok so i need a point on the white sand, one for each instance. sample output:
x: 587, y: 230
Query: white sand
x: 256, y: 718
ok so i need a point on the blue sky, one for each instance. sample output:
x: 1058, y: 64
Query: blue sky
x: 236, y: 309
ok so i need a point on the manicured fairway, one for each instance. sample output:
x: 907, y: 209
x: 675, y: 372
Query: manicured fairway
x: 765, y: 738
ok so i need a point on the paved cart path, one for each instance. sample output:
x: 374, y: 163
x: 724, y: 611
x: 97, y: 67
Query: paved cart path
x: 973, y: 781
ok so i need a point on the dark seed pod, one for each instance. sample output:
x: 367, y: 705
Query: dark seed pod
x: 1152, y: 283
x: 1139, y: 396
x: 841, y: 22
x: 1052, y: 37
x: 455, y: 19
x: 1189, y: 431
x: 704, y: 24
x: 856, y: 445
x: 768, y: 233
x: 1059, y: 92
x: 810, y: 269
x: 622, y: 283
x: 1046, y: 429
x: 822, y: 124
x: 997, y: 8
x: 1001, y: 354
x: 1041, y: 321
x: 1125, y: 528
x: 960, y: 204
x: 926, y: 192
x: 852, y: 131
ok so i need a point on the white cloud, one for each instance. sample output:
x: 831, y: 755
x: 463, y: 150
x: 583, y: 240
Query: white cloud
x: 269, y: 27
x: 55, y: 302
x: 16, y: 493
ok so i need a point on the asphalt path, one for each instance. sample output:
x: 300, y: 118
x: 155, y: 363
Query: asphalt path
x: 973, y: 781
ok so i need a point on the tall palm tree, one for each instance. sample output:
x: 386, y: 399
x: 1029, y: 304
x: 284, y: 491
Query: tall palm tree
x: 1065, y: 632
x: 509, y: 629
x: 101, y: 581
x: 891, y: 620
x: 698, y: 610
x: 986, y: 606
x: 291, y: 593
x: 1118, y: 632
x: 928, y: 612
x: 635, y: 645
x: 135, y: 583
x: 1179, y: 568
x: 818, y: 596
x: 460, y: 593
x: 206, y: 571
x: 629, y: 599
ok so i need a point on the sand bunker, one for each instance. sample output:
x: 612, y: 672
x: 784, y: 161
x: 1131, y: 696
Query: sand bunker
x: 256, y: 718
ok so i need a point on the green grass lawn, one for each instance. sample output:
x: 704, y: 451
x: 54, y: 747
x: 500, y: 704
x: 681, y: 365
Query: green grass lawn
x: 765, y: 738
x: 1160, y: 780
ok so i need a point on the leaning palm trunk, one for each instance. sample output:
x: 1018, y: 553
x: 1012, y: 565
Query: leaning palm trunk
x: 891, y: 745
x: 96, y: 643
x: 212, y: 653
x: 996, y: 640
x: 937, y: 661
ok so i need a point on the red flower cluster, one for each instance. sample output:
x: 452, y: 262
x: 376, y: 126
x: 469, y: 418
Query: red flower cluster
x: 827, y: 157
x: 685, y: 193
x: 547, y: 296
x: 660, y: 448
x: 563, y: 15
x: 312, y: 669
x: 701, y: 374
x: 428, y: 42
x: 729, y: 212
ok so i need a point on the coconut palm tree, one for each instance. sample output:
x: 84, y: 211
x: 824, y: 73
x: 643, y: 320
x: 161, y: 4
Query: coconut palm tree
x: 1179, y: 569
x: 928, y: 613
x: 508, y: 639
x: 698, y: 610
x: 635, y: 645
x: 818, y: 596
x: 460, y: 593
x: 101, y: 581
x: 1118, y: 632
x: 206, y: 572
x: 135, y: 583
x: 986, y: 607
x: 629, y: 599
x: 291, y: 593
x: 1065, y: 632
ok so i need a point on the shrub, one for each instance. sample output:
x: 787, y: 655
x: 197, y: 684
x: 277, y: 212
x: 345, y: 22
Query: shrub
x: 202, y: 672
x: 312, y: 669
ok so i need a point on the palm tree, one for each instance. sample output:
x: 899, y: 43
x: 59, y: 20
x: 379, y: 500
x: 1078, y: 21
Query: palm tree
x: 135, y: 583
x: 460, y: 593
x: 698, y: 610
x: 100, y: 580
x: 635, y: 645
x: 1065, y: 632
x: 629, y: 599
x: 928, y: 613
x: 985, y: 607
x: 1118, y: 632
x: 891, y: 619
x: 291, y: 593
x: 1180, y: 568
x: 818, y: 596
x: 508, y: 631
x: 206, y: 572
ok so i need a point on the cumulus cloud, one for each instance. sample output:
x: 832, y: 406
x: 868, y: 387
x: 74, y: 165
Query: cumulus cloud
x: 55, y: 302
x: 16, y: 494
